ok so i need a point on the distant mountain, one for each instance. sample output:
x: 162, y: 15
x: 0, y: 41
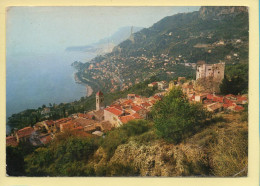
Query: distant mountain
x: 210, y: 34
x: 170, y: 48
x: 106, y: 45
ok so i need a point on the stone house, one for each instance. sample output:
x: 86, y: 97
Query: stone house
x: 112, y: 115
x: 24, y: 134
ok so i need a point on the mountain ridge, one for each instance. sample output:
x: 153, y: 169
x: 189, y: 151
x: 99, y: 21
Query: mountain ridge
x: 169, y: 47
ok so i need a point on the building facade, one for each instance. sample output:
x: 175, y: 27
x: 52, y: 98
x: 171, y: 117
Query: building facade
x: 216, y: 71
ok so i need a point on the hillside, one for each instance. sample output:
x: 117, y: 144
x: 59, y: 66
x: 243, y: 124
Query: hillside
x: 170, y: 47
x: 216, y: 147
x: 204, y: 154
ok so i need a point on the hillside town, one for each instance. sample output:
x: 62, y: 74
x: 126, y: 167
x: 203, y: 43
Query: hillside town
x: 123, y: 110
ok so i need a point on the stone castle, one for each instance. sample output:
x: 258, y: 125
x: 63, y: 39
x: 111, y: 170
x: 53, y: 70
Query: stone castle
x: 215, y: 71
x: 209, y: 77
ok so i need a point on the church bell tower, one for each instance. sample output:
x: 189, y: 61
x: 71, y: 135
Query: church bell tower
x: 99, y: 101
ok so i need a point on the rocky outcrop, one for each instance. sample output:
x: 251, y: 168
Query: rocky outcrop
x: 158, y: 158
x: 207, y: 85
x: 219, y: 11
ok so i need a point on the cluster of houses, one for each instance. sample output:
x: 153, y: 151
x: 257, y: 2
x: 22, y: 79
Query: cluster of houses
x: 103, y: 119
x: 93, y: 123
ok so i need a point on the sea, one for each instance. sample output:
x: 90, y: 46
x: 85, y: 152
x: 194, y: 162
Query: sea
x: 36, y: 79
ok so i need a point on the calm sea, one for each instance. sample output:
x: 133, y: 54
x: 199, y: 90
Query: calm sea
x: 34, y: 80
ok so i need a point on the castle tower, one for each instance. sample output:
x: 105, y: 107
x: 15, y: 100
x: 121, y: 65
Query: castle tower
x: 99, y: 100
x: 131, y: 38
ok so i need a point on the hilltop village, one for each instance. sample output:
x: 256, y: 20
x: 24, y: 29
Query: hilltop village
x: 97, y: 122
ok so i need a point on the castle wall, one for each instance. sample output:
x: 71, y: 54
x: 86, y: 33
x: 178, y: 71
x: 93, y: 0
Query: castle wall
x: 211, y: 70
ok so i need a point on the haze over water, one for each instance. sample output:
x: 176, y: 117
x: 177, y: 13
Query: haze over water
x: 36, y: 80
x: 38, y: 70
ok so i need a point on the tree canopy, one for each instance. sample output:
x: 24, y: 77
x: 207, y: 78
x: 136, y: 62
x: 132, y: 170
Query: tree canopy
x: 175, y: 117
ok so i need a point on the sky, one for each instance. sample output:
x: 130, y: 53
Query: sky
x: 39, y: 30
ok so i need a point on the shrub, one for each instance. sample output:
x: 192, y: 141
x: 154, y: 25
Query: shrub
x: 121, y: 135
x: 175, y: 117
x: 146, y: 137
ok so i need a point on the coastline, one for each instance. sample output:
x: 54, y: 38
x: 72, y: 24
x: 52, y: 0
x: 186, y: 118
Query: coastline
x: 89, y: 89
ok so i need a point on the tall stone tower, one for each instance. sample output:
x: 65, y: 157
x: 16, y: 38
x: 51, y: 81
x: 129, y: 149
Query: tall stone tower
x: 100, y: 100
x: 131, y: 38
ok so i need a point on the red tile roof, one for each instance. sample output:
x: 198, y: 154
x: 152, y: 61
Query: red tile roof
x: 81, y: 115
x: 49, y: 122
x: 136, y: 108
x: 114, y: 111
x: 99, y: 93
x: 137, y: 116
x: 11, y: 141
x: 210, y: 96
x: 145, y: 104
x: 125, y: 119
x: 241, y: 98
x: 119, y: 107
x: 226, y: 105
x: 25, y: 132
x: 157, y: 97
x: 218, y: 99
x: 227, y: 101
x: 127, y: 102
x: 79, y: 128
x: 238, y: 108
x: 46, y: 139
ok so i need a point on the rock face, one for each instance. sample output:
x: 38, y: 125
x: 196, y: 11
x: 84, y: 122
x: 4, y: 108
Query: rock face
x: 160, y: 159
x: 218, y: 11
x: 207, y: 85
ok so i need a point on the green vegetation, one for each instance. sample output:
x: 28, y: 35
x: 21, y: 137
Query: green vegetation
x: 31, y: 116
x: 224, y: 141
x: 122, y: 134
x: 71, y: 155
x: 236, y: 79
x: 65, y: 157
x: 175, y: 118
x: 15, y: 158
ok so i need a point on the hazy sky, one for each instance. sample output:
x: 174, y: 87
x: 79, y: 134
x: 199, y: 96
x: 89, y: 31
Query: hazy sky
x: 52, y: 29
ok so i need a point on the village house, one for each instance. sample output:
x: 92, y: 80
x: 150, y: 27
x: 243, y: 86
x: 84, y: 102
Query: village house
x: 70, y: 125
x: 48, y: 125
x: 112, y: 115
x: 200, y: 98
x: 215, y: 107
x: 61, y: 121
x: 45, y: 111
x: 11, y: 141
x: 153, y: 84
x: 24, y: 134
x: 162, y: 85
x: 45, y: 139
